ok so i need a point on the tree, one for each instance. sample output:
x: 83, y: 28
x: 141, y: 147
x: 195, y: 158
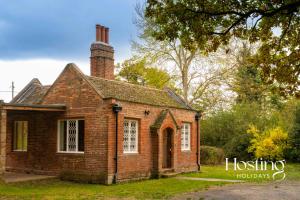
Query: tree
x: 248, y: 83
x: 269, y: 144
x: 209, y: 24
x: 228, y: 128
x: 135, y: 71
x: 289, y: 118
x: 199, y: 78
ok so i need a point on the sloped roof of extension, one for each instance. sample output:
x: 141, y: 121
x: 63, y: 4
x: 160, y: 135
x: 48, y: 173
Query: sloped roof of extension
x: 34, y: 92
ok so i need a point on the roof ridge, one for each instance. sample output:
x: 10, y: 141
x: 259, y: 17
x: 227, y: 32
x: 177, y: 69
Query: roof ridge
x: 24, y: 91
x: 124, y: 82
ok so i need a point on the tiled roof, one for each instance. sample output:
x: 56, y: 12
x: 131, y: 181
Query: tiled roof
x: 32, y: 93
x: 135, y: 93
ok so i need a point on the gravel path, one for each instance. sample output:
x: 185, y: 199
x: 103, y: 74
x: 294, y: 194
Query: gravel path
x: 274, y: 191
x: 209, y: 179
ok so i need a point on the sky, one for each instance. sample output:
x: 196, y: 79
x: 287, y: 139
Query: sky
x: 39, y: 38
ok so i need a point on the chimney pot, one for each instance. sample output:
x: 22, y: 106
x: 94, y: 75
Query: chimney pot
x: 102, y: 34
x: 98, y: 32
x: 107, y: 35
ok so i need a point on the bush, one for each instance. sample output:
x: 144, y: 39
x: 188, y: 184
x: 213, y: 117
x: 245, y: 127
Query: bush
x: 237, y: 147
x: 211, y: 155
x: 269, y: 144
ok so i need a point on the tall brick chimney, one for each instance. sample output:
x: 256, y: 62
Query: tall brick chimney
x: 102, y: 55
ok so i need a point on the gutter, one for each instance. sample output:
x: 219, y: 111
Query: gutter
x: 116, y: 109
x: 197, y: 118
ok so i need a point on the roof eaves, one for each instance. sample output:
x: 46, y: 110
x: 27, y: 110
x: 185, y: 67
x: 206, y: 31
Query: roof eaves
x: 177, y: 97
x: 150, y: 104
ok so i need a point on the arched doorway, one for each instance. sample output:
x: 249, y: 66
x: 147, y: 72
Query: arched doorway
x: 167, y: 148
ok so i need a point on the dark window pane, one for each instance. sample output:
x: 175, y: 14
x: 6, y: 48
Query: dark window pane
x: 63, y: 136
x: 15, y: 139
x: 81, y: 135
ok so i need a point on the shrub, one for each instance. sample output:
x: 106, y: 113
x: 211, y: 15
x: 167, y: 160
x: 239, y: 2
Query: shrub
x: 211, y: 155
x: 237, y: 147
x: 269, y: 144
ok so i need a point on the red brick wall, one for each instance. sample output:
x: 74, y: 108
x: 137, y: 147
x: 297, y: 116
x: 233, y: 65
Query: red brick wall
x: 41, y: 156
x: 83, y: 102
x: 141, y: 164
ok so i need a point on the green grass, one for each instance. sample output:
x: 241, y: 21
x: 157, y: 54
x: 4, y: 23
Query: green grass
x: 292, y: 172
x: 149, y: 189
x: 56, y: 189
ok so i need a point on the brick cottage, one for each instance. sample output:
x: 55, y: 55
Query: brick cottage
x: 98, y: 129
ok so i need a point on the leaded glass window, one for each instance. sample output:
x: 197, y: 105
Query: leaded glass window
x: 130, y: 138
x: 186, y: 137
x: 71, y: 136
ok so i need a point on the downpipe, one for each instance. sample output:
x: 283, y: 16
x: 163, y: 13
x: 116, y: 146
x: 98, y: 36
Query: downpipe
x: 197, y: 118
x: 116, y: 109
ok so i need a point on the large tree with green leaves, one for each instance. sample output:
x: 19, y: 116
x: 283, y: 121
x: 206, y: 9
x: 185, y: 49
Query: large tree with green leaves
x: 208, y: 24
x: 201, y: 79
x: 136, y: 71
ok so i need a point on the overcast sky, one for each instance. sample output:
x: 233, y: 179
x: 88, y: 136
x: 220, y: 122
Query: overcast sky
x: 38, y: 38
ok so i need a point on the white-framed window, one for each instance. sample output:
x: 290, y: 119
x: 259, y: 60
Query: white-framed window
x: 20, y: 136
x: 71, y: 136
x: 130, y: 138
x: 186, y: 137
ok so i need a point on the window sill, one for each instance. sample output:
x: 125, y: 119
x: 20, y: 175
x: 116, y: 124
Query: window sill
x: 19, y: 151
x: 186, y: 151
x: 130, y: 153
x: 69, y: 153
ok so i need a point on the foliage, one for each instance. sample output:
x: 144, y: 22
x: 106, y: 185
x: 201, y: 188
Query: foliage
x: 293, y: 153
x: 211, y: 155
x: 227, y: 129
x: 135, y: 71
x: 237, y: 147
x: 248, y: 84
x: 195, y: 75
x: 269, y: 144
x: 209, y: 24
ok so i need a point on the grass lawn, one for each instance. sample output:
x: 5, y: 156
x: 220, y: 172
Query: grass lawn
x: 292, y: 172
x: 149, y: 189
x: 56, y: 189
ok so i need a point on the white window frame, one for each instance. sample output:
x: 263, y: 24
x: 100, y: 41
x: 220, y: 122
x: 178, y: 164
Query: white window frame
x: 129, y: 137
x: 186, y: 132
x: 67, y: 142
